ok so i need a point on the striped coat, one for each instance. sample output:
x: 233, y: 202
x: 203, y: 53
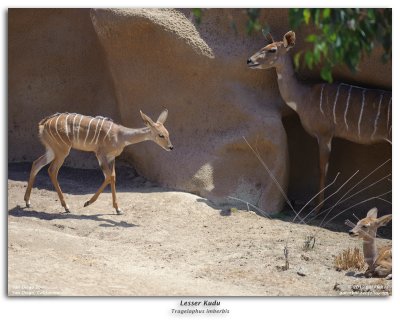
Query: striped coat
x: 354, y: 113
x: 76, y: 131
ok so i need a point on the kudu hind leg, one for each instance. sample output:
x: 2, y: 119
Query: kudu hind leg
x: 37, y: 165
x: 113, y: 189
x: 324, y: 153
x: 53, y: 173
x: 107, y: 178
x: 108, y: 168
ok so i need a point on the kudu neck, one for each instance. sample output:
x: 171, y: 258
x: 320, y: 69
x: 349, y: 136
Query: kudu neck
x: 290, y: 88
x: 132, y: 136
x: 370, y: 250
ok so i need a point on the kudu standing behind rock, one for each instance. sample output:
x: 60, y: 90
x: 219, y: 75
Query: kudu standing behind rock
x: 327, y: 110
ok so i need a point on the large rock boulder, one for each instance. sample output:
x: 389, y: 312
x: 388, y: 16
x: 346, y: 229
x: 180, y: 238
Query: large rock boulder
x: 55, y: 64
x: 157, y: 58
x: 116, y: 62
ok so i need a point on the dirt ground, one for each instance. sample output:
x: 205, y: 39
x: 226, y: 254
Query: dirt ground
x: 167, y: 243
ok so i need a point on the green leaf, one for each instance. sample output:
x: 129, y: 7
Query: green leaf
x: 249, y: 26
x: 316, y: 17
x: 317, y: 56
x: 306, y: 15
x: 309, y: 59
x: 343, y: 36
x: 311, y: 38
x: 296, y: 60
x: 257, y: 26
x: 326, y: 74
x: 198, y: 13
x: 326, y: 13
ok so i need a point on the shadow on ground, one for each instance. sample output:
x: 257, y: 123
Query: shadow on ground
x: 86, y: 181
x: 19, y: 211
x: 83, y: 181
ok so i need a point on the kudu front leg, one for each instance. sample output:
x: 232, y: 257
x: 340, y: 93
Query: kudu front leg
x: 53, y: 173
x: 324, y: 145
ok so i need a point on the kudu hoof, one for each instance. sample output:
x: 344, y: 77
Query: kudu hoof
x: 119, y: 211
x: 86, y: 203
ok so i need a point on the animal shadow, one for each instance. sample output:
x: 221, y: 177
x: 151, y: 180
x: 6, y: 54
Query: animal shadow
x: 19, y: 211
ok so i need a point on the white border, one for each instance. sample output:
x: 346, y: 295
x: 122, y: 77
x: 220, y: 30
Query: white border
x: 159, y: 308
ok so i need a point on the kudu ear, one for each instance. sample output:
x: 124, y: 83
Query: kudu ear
x: 384, y: 220
x: 147, y: 121
x: 373, y: 213
x: 163, y: 116
x: 268, y: 36
x: 289, y: 40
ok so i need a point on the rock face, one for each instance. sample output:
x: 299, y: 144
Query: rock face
x: 158, y: 58
x: 55, y: 64
x: 117, y: 62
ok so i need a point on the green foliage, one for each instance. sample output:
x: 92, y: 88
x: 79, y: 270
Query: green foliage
x: 253, y: 21
x: 342, y: 36
x: 198, y: 13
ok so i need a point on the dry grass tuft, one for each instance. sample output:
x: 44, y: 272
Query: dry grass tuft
x: 349, y: 259
x: 309, y: 243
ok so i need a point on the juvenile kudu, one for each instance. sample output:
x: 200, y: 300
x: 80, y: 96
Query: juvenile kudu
x: 62, y: 132
x: 379, y: 260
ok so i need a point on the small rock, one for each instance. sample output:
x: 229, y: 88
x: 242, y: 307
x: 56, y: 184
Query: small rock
x: 301, y: 272
x: 304, y: 257
x: 281, y: 268
x: 339, y: 287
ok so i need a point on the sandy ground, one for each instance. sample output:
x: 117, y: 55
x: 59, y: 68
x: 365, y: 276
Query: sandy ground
x: 167, y: 243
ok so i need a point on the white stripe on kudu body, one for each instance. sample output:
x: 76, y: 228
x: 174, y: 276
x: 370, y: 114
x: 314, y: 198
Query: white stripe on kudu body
x: 49, y: 130
x: 334, y: 104
x: 95, y: 131
x: 347, y: 108
x: 105, y: 150
x: 361, y: 112
x: 73, y: 128
x: 66, y: 128
x: 56, y: 127
x: 109, y: 129
x: 357, y: 104
x: 388, y: 112
x: 97, y: 139
x: 79, y: 128
x: 377, y: 116
x: 88, y: 130
x: 320, y: 98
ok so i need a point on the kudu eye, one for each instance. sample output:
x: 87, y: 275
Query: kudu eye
x: 272, y: 50
x: 161, y: 136
x: 364, y: 227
